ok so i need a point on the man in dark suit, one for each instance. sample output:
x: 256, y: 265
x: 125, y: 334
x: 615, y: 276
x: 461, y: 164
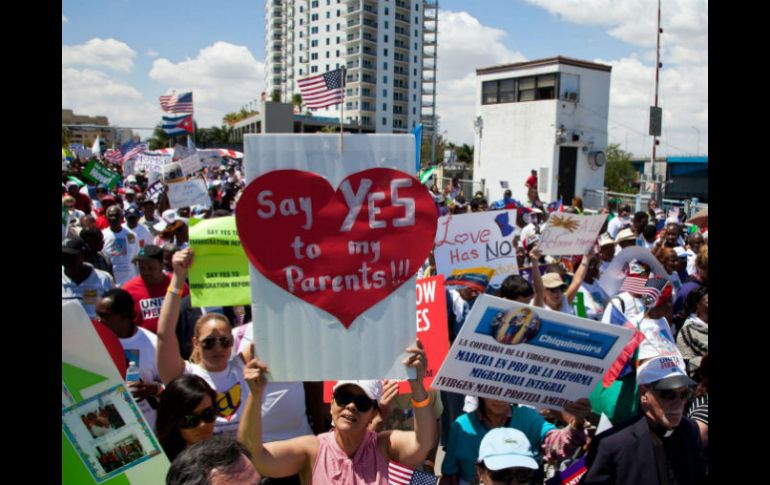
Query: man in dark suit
x: 660, y: 446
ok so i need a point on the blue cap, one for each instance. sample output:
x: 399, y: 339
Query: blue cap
x: 506, y: 448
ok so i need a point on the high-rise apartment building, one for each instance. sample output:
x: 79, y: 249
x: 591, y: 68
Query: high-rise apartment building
x: 379, y: 42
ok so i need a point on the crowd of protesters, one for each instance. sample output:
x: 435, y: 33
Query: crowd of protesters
x: 126, y: 256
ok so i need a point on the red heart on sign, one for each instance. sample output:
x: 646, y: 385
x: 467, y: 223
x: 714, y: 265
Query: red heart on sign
x: 342, y: 251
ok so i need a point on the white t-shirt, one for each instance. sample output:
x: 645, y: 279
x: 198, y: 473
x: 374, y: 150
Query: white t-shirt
x: 617, y: 224
x: 659, y: 340
x: 691, y: 268
x: 283, y: 404
x: 142, y: 348
x: 565, y: 307
x: 528, y: 231
x: 121, y: 248
x: 87, y: 292
x: 144, y: 235
x: 594, y: 298
x: 232, y: 392
x: 642, y: 242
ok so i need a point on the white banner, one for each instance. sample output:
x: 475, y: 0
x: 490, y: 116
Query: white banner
x: 189, y: 193
x: 568, y: 234
x: 190, y: 164
x: 523, y: 354
x: 297, y: 339
x: 210, y: 158
x: 477, y: 240
x: 151, y: 163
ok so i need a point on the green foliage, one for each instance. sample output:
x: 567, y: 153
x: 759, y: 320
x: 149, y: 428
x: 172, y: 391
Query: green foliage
x: 276, y: 98
x: 159, y: 139
x: 619, y: 174
x: 296, y: 100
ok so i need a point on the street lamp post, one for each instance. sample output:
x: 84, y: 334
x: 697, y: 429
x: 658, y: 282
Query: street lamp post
x: 478, y: 125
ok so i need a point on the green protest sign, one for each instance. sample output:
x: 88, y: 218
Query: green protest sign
x: 219, y: 275
x: 100, y: 174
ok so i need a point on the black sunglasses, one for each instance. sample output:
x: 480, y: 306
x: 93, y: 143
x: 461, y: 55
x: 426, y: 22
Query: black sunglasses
x: 670, y: 395
x: 363, y: 403
x: 209, y: 342
x: 189, y: 421
x: 507, y: 475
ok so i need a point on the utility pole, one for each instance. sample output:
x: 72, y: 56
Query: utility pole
x: 697, y: 152
x: 656, y: 118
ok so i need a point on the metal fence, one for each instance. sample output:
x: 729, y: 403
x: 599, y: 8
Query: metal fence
x: 598, y: 199
x: 468, y: 187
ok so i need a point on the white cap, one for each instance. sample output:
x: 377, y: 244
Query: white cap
x: 372, y: 389
x: 663, y: 373
x: 168, y: 217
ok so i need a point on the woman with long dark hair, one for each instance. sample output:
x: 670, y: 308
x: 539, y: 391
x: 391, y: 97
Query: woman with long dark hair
x: 186, y: 414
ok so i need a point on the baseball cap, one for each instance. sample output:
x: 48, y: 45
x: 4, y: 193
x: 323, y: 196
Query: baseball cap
x: 129, y: 191
x: 70, y: 184
x: 372, y: 389
x: 552, y: 280
x: 662, y: 373
x: 168, y: 217
x: 506, y: 448
x: 131, y: 212
x: 150, y: 252
x: 73, y: 245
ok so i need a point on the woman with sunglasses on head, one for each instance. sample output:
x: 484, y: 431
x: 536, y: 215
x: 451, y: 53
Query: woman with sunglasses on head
x: 186, y: 414
x: 350, y: 453
x: 211, y: 357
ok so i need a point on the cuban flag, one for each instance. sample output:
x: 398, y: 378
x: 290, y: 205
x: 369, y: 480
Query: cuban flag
x: 556, y: 205
x: 177, y: 125
x: 622, y: 365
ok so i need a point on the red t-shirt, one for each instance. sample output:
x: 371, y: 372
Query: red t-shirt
x: 148, y: 300
x: 531, y: 181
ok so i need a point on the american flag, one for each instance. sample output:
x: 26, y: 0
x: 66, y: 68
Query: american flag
x: 113, y: 156
x: 656, y: 289
x: 399, y: 474
x: 177, y: 103
x: 134, y: 151
x: 634, y: 285
x: 324, y: 90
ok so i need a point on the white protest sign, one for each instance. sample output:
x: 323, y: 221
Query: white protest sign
x: 477, y: 240
x: 151, y: 163
x: 129, y: 167
x: 523, y: 354
x: 153, y: 191
x: 189, y: 193
x: 367, y: 343
x: 99, y: 415
x: 567, y: 234
x: 190, y: 164
x: 613, y: 276
x: 210, y: 158
x: 181, y: 151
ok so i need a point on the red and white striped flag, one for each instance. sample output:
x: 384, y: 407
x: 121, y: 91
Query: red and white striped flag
x: 113, y: 156
x: 324, y: 90
x: 177, y: 103
x: 399, y: 474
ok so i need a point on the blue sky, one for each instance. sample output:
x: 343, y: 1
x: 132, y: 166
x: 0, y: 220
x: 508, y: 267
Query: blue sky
x: 118, y: 56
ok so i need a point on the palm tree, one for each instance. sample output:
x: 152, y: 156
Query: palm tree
x: 296, y: 100
x: 159, y: 139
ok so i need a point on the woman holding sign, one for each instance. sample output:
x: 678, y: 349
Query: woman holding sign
x: 349, y: 453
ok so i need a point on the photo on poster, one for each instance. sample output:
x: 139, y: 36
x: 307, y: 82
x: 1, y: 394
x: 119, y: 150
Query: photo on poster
x: 109, y: 433
x: 510, y: 327
x: 172, y: 172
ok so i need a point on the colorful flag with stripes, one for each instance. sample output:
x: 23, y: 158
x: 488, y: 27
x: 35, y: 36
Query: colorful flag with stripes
x: 570, y: 475
x: 399, y: 474
x: 113, y: 156
x: 633, y: 284
x: 622, y: 365
x: 555, y: 206
x: 177, y: 103
x: 135, y: 150
x: 324, y: 90
x: 177, y: 125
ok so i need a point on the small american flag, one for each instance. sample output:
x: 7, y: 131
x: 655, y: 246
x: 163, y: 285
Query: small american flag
x: 177, y: 103
x: 634, y: 285
x: 113, y: 156
x: 399, y: 474
x: 324, y: 90
x: 134, y: 150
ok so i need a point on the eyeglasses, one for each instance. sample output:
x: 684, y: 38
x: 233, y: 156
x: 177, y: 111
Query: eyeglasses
x: 363, y: 403
x: 190, y: 421
x: 209, y: 342
x: 670, y: 395
x: 507, y: 475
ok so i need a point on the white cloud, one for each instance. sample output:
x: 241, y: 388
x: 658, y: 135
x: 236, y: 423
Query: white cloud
x: 464, y: 46
x: 94, y: 93
x: 109, y: 53
x: 64, y: 19
x: 223, y: 77
x: 152, y: 53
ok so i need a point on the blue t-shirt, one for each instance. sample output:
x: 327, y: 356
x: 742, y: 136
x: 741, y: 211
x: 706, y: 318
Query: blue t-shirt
x: 467, y: 431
